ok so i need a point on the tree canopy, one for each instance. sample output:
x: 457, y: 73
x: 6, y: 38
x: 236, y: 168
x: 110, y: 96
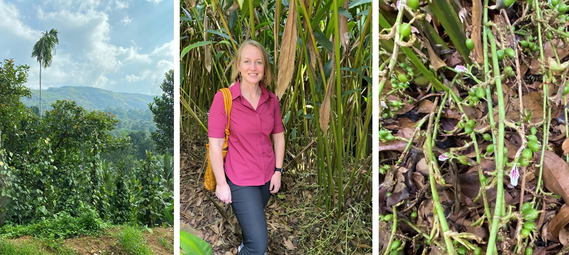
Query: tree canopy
x: 163, y: 110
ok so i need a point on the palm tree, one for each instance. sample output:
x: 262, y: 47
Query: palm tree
x: 43, y: 52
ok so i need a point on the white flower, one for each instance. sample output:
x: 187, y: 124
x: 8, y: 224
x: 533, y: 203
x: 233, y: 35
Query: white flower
x: 443, y: 157
x: 461, y: 69
x: 514, y: 175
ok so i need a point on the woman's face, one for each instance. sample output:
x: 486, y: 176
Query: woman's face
x: 251, y: 65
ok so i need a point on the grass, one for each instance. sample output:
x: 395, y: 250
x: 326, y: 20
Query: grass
x: 132, y: 241
x: 166, y: 244
x: 321, y: 235
x: 7, y: 247
x: 49, y: 237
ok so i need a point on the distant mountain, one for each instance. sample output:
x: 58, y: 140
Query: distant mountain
x: 90, y: 98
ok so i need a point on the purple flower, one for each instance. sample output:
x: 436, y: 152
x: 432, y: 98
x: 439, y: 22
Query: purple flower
x: 443, y: 157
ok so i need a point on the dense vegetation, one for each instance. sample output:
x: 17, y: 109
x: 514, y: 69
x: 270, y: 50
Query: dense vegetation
x: 69, y: 165
x: 89, y: 98
x: 320, y: 57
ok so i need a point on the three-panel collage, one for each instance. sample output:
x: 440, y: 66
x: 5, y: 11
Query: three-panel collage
x: 237, y: 127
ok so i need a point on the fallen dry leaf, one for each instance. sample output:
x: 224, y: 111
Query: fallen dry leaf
x: 559, y: 222
x: 556, y: 175
x: 288, y: 244
x: 565, y: 146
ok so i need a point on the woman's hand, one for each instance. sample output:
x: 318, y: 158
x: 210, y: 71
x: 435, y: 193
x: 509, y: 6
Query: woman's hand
x: 223, y: 192
x: 275, y: 182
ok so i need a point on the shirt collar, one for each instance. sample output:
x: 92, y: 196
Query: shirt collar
x: 236, y: 92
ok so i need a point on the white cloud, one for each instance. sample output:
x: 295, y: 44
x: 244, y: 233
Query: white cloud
x: 131, y: 55
x: 10, y: 20
x: 96, y: 48
x: 121, y: 5
x: 126, y: 20
x: 165, y: 50
x: 143, y: 76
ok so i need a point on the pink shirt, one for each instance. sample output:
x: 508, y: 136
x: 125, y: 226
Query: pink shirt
x: 250, y: 159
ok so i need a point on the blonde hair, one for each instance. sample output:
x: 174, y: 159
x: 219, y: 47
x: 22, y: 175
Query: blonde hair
x: 267, y: 76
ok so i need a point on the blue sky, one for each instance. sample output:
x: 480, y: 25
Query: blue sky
x: 118, y: 45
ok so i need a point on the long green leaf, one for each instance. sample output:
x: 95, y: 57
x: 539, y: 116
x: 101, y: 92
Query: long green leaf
x: 453, y: 27
x: 194, y: 245
x: 190, y: 47
x: 358, y: 3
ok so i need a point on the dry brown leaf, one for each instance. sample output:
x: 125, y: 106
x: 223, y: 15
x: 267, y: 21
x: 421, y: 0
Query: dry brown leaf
x: 564, y: 237
x: 532, y: 102
x: 556, y: 175
x: 325, y: 107
x: 559, y: 222
x: 565, y: 146
x: 395, y: 145
x: 436, y: 62
x: 405, y: 132
x: 288, y: 244
x: 425, y: 106
x: 560, y: 50
x: 476, y: 25
x: 287, y: 53
x: 344, y: 31
x: 312, y: 55
x: 207, y: 59
x: 422, y: 167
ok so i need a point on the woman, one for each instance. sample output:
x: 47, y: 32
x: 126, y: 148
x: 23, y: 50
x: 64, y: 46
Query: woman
x: 253, y: 166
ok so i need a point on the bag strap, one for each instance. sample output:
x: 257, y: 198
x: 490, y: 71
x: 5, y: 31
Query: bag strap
x: 228, y: 104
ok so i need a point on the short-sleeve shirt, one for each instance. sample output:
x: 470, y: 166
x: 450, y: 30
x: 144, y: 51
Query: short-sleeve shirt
x: 250, y: 159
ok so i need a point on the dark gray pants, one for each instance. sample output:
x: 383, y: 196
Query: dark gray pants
x: 248, y: 203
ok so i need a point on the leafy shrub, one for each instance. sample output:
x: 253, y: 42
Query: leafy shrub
x: 63, y: 226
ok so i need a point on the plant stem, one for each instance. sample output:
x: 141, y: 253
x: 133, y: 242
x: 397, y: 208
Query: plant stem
x: 393, y: 230
x: 498, y: 210
x: 428, y: 150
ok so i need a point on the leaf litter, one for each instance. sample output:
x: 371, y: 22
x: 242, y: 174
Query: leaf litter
x: 295, y: 222
x: 465, y: 164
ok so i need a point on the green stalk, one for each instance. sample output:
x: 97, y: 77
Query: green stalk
x: 546, y: 123
x: 428, y: 150
x: 339, y: 143
x: 225, y: 23
x: 393, y: 231
x: 546, y: 117
x: 251, y: 20
x: 498, y: 210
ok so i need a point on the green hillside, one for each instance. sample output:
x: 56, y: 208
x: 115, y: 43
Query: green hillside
x: 90, y: 98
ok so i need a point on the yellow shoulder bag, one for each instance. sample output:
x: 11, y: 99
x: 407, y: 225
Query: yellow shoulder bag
x: 209, y: 178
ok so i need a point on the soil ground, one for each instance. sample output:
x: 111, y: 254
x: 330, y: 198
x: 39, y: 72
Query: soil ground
x: 108, y: 243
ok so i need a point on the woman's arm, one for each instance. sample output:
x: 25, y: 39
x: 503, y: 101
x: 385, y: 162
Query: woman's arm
x: 279, y: 147
x: 222, y: 190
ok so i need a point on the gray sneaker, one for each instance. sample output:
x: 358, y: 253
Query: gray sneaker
x: 241, y: 247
